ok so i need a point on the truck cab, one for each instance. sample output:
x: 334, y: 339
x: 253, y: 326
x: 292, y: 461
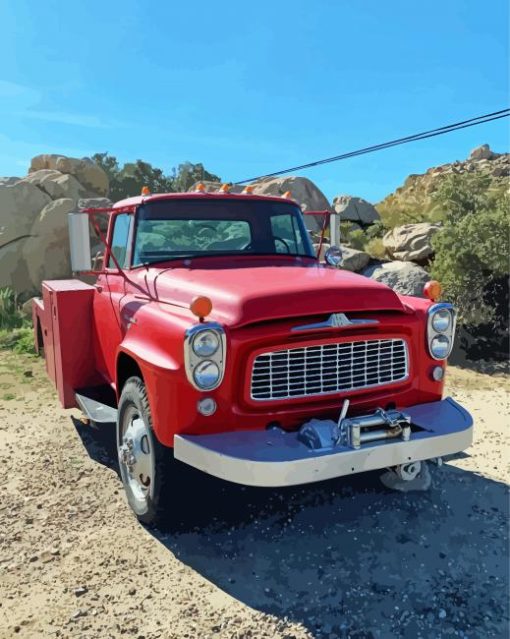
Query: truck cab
x: 213, y: 336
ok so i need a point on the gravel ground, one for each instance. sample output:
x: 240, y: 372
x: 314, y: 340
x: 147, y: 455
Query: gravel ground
x: 345, y: 558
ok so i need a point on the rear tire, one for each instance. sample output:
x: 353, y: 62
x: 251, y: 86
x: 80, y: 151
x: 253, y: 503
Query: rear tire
x: 146, y: 466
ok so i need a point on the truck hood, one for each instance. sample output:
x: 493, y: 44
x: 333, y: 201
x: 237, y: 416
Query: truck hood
x: 245, y: 294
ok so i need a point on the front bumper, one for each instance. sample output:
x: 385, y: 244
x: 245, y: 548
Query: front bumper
x: 276, y: 458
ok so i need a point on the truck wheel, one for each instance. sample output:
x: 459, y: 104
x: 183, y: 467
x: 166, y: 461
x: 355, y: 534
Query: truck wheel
x: 145, y: 465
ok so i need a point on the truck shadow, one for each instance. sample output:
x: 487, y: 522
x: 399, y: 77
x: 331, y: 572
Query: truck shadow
x: 348, y: 558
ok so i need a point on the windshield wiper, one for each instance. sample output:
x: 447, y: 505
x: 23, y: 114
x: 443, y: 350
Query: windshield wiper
x: 223, y: 254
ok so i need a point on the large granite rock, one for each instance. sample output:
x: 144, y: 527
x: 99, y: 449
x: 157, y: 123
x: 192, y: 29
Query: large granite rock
x: 404, y: 277
x: 46, y: 252
x: 411, y: 242
x: 482, y: 152
x: 355, y: 209
x: 87, y: 172
x: 354, y: 260
x: 34, y: 243
x: 302, y: 190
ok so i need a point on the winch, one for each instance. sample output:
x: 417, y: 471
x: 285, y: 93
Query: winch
x: 352, y: 432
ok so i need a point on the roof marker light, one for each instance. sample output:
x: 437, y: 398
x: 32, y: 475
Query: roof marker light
x: 200, y: 188
x: 287, y: 195
x: 248, y: 190
x: 225, y: 188
x: 146, y: 190
x: 433, y: 290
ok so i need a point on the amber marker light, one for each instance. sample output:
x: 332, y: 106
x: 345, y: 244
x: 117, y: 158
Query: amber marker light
x: 200, y: 188
x: 287, y: 195
x: 433, y: 290
x: 248, y: 190
x: 201, y: 306
x: 225, y: 188
x: 146, y: 190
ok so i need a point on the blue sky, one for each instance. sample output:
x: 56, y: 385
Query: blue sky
x: 248, y: 88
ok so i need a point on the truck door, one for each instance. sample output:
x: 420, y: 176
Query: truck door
x: 110, y: 289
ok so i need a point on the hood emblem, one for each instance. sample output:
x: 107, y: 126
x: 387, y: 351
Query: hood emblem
x: 336, y: 320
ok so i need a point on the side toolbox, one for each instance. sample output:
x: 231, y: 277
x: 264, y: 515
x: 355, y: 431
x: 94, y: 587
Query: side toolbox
x: 63, y: 319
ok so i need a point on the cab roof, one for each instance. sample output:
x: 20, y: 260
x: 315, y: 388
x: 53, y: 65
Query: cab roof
x: 156, y: 197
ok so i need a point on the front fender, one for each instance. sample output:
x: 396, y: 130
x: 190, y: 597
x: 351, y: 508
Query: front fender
x: 154, y: 339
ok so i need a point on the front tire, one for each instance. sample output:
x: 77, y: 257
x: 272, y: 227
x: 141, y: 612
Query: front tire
x: 145, y: 465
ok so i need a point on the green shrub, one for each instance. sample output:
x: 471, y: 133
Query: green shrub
x: 471, y: 251
x: 10, y: 309
x: 375, y: 248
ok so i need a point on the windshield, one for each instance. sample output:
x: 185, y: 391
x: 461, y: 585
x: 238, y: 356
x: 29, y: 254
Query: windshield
x: 176, y: 229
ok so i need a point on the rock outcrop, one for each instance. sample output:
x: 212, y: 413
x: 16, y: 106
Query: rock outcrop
x: 416, y: 195
x: 355, y: 209
x: 411, y: 242
x: 354, y: 260
x: 34, y: 242
x: 404, y: 277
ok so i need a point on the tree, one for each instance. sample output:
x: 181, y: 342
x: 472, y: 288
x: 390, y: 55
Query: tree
x: 133, y: 176
x: 187, y: 174
x: 471, y: 251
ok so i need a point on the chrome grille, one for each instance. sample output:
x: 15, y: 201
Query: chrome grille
x: 328, y: 368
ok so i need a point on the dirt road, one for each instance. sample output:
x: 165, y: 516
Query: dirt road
x: 345, y: 558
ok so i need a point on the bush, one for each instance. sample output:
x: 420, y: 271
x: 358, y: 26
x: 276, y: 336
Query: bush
x: 10, y: 309
x: 471, y: 252
x: 375, y: 248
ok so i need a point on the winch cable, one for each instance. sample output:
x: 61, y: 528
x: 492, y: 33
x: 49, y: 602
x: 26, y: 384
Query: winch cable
x: 481, y: 119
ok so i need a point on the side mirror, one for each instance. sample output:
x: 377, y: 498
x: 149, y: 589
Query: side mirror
x: 333, y: 256
x: 79, y: 242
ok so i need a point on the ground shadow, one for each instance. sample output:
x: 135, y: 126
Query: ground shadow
x: 347, y: 558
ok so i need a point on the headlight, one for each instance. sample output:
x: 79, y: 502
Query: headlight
x: 205, y: 343
x: 205, y: 352
x: 440, y: 330
x: 206, y: 374
x: 441, y: 320
x: 440, y: 347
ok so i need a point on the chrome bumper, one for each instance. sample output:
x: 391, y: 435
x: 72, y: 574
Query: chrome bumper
x: 275, y: 458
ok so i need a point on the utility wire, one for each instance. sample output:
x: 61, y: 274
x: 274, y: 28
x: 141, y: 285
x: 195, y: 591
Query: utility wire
x: 481, y: 119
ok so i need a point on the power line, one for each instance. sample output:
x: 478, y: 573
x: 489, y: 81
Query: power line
x: 481, y: 119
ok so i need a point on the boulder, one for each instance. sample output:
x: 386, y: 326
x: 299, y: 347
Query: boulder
x: 9, y: 181
x: 302, y: 190
x: 482, y: 152
x: 354, y: 260
x: 355, y: 209
x: 87, y: 172
x: 19, y: 206
x: 46, y: 252
x: 403, y: 277
x: 58, y: 185
x: 411, y: 242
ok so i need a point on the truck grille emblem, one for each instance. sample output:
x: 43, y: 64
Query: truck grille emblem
x: 336, y: 320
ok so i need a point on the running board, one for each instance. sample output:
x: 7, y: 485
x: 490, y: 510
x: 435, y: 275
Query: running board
x: 92, y: 403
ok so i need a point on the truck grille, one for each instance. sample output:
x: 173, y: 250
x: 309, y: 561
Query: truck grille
x: 328, y: 368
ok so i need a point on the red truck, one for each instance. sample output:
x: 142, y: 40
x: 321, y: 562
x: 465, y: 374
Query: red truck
x: 214, y: 336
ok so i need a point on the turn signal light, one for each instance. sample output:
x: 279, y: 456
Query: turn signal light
x: 225, y: 188
x: 200, y: 187
x: 433, y: 290
x: 146, y: 190
x: 248, y: 190
x: 201, y: 306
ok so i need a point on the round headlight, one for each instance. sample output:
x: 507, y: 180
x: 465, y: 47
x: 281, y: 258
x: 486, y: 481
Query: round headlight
x: 440, y: 347
x: 206, y: 374
x: 206, y: 343
x: 441, y: 320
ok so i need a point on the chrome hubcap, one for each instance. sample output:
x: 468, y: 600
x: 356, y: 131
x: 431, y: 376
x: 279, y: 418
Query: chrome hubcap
x: 135, y: 457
